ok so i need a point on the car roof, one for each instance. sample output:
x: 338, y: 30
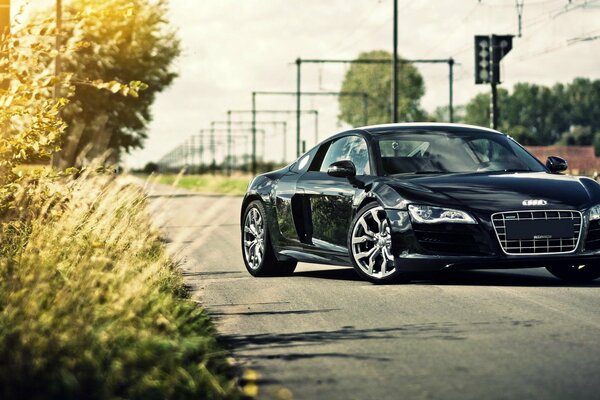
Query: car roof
x: 430, y: 126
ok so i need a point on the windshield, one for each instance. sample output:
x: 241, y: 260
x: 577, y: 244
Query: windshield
x: 456, y: 152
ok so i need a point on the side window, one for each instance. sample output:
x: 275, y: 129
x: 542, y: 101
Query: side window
x: 353, y: 148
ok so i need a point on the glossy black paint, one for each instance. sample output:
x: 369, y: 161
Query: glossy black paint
x: 342, y: 169
x: 309, y: 212
x: 556, y: 164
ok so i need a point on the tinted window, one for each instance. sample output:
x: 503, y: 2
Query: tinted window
x: 353, y: 148
x: 441, y: 152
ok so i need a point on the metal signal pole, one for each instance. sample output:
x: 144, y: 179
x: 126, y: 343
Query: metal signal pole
x: 451, y: 89
x: 395, y: 66
x: 298, y: 105
x: 449, y: 61
x: 364, y: 96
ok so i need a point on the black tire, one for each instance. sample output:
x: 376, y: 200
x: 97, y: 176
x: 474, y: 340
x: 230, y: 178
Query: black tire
x: 268, y: 264
x: 396, y: 275
x: 572, y: 273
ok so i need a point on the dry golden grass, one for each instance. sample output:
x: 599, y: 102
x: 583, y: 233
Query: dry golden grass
x: 90, y: 304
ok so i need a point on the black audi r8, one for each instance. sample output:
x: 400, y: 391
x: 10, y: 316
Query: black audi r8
x: 395, y: 199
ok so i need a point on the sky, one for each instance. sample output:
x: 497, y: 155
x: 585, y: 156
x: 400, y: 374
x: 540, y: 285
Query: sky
x: 234, y: 47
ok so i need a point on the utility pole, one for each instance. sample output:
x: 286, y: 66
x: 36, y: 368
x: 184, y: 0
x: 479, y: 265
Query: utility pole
x: 201, y: 148
x: 364, y: 96
x: 520, y: 4
x: 451, y: 89
x: 298, y: 105
x: 193, y: 151
x: 315, y: 113
x: 494, y: 80
x: 253, y: 133
x: 395, y: 66
x: 228, y: 143
x: 213, y: 165
x: 449, y: 61
x: 229, y: 123
x: 212, y: 142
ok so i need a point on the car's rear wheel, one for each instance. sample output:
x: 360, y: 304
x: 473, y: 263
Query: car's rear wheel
x: 370, y: 245
x: 258, y: 253
x: 575, y: 273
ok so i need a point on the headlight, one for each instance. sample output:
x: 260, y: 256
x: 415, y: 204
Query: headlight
x: 437, y: 215
x: 595, y: 213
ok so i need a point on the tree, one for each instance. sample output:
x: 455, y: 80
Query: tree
x: 376, y: 81
x: 538, y: 109
x: 583, y: 98
x: 442, y: 114
x: 127, y: 40
x: 477, y: 111
x: 578, y: 136
x: 31, y: 121
x: 540, y: 115
x: 596, y: 144
x: 151, y: 168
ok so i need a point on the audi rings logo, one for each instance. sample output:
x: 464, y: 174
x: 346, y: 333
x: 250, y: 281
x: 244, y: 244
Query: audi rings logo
x: 534, y: 202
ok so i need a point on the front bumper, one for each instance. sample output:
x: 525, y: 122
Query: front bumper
x: 480, y: 249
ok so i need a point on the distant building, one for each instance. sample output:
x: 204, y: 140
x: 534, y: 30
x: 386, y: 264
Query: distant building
x: 581, y: 159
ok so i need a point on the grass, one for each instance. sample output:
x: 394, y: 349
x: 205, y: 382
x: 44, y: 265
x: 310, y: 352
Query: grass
x: 92, y: 307
x: 234, y: 185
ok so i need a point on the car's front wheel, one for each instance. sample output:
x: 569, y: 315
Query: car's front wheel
x: 258, y: 253
x: 575, y: 273
x: 370, y: 244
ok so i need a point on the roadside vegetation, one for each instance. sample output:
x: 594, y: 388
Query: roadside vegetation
x: 90, y: 304
x: 233, y: 185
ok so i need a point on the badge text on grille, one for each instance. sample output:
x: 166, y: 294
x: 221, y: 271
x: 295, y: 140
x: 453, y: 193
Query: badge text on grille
x: 534, y: 202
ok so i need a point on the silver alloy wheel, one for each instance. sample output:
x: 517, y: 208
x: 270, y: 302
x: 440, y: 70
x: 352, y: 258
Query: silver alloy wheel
x: 254, y: 238
x: 372, y: 244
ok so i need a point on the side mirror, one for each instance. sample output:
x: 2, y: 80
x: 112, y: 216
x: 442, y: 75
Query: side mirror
x: 342, y: 169
x: 556, y: 164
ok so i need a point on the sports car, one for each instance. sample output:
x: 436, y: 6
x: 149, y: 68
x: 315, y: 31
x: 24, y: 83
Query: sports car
x: 392, y: 200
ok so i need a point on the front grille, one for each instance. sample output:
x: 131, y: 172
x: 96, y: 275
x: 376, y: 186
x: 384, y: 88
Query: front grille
x: 537, y: 245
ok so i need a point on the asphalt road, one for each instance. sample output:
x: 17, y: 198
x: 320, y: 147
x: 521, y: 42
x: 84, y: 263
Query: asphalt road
x: 325, y: 334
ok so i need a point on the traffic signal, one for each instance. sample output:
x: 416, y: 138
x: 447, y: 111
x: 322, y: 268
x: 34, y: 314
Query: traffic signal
x: 489, y: 50
x: 501, y: 45
x: 482, y: 59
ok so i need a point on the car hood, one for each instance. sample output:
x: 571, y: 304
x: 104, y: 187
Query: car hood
x: 492, y: 192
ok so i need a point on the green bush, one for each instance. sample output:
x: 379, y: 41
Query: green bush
x: 91, y: 306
